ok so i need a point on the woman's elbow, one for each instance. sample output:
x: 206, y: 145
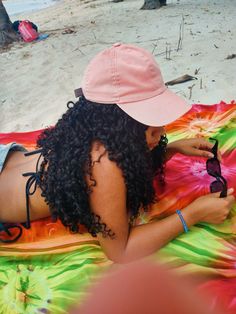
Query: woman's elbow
x: 120, y: 258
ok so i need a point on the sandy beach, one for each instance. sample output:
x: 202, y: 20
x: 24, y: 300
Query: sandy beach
x: 37, y: 79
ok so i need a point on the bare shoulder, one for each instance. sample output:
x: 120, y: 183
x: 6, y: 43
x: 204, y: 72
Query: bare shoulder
x: 104, y: 168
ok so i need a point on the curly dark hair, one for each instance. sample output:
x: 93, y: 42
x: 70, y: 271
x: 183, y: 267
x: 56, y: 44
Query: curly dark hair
x: 67, y: 161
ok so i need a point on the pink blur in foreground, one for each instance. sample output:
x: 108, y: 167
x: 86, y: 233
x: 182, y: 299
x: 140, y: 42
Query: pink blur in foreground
x: 144, y: 288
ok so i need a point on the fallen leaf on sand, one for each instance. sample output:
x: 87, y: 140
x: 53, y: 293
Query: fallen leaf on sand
x: 231, y: 56
x: 181, y: 79
x: 68, y: 31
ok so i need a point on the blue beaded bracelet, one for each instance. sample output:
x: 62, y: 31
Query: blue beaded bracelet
x: 182, y: 220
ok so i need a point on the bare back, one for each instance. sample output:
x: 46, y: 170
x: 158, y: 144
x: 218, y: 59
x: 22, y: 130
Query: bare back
x: 12, y: 190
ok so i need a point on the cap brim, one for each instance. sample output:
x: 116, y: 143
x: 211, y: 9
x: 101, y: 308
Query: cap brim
x: 157, y: 111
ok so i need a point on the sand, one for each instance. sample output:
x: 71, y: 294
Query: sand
x: 37, y: 79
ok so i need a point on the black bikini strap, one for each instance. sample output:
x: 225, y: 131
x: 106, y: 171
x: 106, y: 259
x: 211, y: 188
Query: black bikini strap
x: 36, y: 151
x: 34, y: 180
x: 7, y: 230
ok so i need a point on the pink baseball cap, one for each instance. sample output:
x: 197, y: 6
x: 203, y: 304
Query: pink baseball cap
x: 129, y: 76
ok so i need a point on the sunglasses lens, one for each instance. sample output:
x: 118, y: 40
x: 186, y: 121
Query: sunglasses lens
x: 217, y: 186
x: 213, y: 167
x: 214, y: 170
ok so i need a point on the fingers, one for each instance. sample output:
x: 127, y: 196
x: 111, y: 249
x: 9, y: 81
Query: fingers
x: 216, y: 194
x: 210, y: 145
x: 202, y: 153
x: 203, y: 148
x: 229, y: 193
x: 206, y: 154
x: 197, y: 147
x: 206, y: 148
x: 204, y: 144
x: 230, y: 200
x: 219, y: 156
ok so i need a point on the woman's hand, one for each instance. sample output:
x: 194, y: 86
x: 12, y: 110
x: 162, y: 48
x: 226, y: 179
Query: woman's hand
x: 210, y: 208
x: 191, y: 147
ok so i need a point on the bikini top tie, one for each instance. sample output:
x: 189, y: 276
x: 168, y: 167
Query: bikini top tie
x: 30, y: 188
x: 33, y: 181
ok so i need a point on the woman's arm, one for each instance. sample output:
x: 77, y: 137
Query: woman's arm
x: 191, y: 147
x: 108, y: 200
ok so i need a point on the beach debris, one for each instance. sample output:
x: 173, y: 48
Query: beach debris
x: 191, y: 90
x: 79, y: 51
x: 195, y: 54
x: 216, y: 46
x: 94, y: 35
x: 233, y: 56
x: 68, y: 31
x: 181, y: 34
x: 154, y: 47
x: 201, y: 84
x: 197, y: 71
x: 42, y: 37
x: 168, y: 51
x: 181, y: 79
x: 26, y: 55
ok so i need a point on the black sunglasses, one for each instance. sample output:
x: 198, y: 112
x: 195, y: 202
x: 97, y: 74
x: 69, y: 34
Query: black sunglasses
x: 214, y: 170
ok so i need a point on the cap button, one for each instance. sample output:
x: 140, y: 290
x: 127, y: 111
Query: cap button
x: 116, y: 44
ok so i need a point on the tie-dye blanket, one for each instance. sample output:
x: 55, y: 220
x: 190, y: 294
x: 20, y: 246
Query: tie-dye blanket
x: 49, y: 269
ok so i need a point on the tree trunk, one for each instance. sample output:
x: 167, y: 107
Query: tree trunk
x: 7, y: 33
x: 153, y: 4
